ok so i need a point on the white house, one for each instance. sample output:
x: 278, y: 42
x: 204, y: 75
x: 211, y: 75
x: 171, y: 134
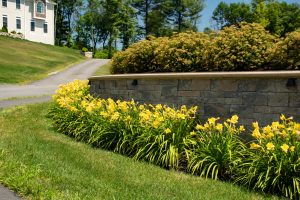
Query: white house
x: 33, y: 18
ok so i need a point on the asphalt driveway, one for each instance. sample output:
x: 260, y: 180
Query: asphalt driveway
x: 48, y: 85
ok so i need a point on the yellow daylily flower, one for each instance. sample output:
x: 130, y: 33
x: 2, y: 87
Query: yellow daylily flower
x: 285, y: 148
x: 219, y: 127
x: 254, y: 146
x: 167, y: 130
x: 270, y: 146
x: 292, y: 148
x: 234, y: 119
x: 193, y: 133
x: 242, y: 128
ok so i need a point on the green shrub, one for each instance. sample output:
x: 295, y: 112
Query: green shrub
x: 4, y: 29
x: 273, y: 162
x: 246, y: 47
x: 84, y: 49
x: 138, y: 58
x: 182, y: 52
x: 102, y: 54
x: 235, y: 48
x: 286, y: 54
x: 215, y: 149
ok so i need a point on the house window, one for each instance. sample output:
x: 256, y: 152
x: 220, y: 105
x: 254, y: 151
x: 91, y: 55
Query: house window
x: 4, y: 3
x: 18, y: 4
x: 45, y: 28
x: 4, y: 19
x: 18, y: 23
x: 32, y: 25
x: 40, y: 7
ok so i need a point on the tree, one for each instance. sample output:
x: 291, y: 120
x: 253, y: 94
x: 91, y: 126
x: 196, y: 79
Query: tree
x: 65, y: 10
x: 232, y: 14
x: 277, y: 17
x: 126, y: 24
x: 144, y: 8
x: 185, y: 14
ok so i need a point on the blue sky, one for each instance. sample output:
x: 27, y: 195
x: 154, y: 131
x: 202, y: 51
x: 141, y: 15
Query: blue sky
x: 210, y: 5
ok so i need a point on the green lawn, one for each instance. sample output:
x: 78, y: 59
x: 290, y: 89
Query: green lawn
x: 39, y: 163
x: 103, y: 70
x: 22, y: 61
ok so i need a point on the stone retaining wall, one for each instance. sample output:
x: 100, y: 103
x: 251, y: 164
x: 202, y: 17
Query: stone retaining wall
x: 254, y: 96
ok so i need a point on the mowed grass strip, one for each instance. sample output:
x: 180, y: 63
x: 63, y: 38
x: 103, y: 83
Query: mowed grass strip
x: 23, y: 61
x: 39, y: 163
x: 103, y: 70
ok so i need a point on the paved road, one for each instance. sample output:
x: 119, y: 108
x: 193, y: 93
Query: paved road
x: 6, y: 194
x: 46, y: 86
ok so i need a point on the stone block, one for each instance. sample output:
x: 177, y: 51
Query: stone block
x: 148, y: 95
x: 215, y: 100
x: 280, y: 85
x: 101, y: 84
x: 216, y: 110
x: 169, y: 90
x: 149, y: 87
x: 189, y: 93
x: 148, y: 81
x: 233, y: 101
x: 121, y: 84
x: 131, y: 85
x: 294, y: 99
x: 224, y: 85
x: 184, y: 84
x: 173, y: 82
x: 278, y: 99
x: 110, y: 84
x: 191, y: 101
x: 254, y: 98
x: 242, y: 111
x: 248, y: 85
x: 200, y: 85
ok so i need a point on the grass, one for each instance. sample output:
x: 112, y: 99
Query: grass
x: 103, y: 70
x: 23, y: 61
x: 39, y: 163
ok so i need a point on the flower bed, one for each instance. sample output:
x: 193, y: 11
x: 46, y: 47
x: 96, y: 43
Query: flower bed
x: 176, y: 139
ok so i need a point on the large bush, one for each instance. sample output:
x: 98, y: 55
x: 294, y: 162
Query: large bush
x: 137, y: 58
x: 175, y: 139
x: 286, y: 54
x: 246, y: 47
x: 182, y: 52
x: 235, y: 48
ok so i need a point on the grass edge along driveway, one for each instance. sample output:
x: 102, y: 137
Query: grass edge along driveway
x: 22, y: 61
x: 39, y: 163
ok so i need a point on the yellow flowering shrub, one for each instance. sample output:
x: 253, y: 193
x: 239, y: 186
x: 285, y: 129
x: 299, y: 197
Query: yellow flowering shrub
x: 246, y: 47
x: 273, y: 164
x: 215, y: 149
x: 286, y: 53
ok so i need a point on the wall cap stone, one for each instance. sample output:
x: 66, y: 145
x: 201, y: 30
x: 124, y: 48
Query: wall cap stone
x: 208, y: 75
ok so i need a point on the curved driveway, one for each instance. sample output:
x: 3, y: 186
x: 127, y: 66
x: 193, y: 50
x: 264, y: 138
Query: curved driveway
x: 48, y: 85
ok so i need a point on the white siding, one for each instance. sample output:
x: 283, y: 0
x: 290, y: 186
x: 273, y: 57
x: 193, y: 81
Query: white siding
x: 26, y: 15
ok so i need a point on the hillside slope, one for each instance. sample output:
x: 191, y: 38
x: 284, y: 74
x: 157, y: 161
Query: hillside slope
x: 23, y: 61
